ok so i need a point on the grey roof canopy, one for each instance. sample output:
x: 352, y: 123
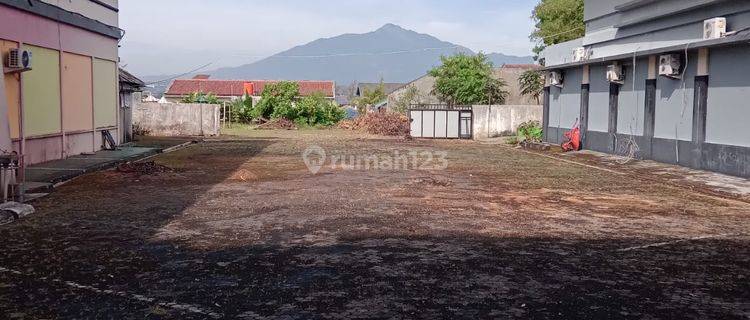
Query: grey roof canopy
x: 129, y: 82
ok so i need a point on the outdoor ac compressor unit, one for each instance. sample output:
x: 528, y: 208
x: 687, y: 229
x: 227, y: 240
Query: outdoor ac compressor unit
x: 670, y: 65
x: 19, y: 59
x: 581, y: 54
x: 615, y: 73
x: 555, y: 78
x: 714, y: 28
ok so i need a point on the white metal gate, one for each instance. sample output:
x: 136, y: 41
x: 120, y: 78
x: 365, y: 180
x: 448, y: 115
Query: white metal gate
x: 441, y: 122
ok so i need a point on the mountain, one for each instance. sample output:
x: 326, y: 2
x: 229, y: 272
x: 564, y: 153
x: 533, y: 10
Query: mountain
x: 499, y: 59
x: 391, y: 53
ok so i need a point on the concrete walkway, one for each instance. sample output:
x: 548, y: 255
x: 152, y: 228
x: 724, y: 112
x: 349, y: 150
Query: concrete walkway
x: 53, y: 172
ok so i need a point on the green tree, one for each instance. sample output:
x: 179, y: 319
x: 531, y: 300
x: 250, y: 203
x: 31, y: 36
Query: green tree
x: 316, y: 109
x: 277, y: 101
x: 467, y: 79
x: 200, y: 97
x: 411, y: 96
x: 241, y: 109
x: 531, y: 83
x: 370, y: 98
x: 557, y: 21
x: 495, y: 91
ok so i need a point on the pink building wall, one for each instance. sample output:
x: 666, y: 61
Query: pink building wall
x: 77, y: 136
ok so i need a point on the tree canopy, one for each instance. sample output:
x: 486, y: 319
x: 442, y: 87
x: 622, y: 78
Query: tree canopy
x: 557, y: 21
x: 467, y: 79
x: 370, y: 98
x: 275, y: 99
x: 532, y: 84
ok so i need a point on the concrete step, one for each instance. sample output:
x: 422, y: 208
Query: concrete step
x: 38, y: 187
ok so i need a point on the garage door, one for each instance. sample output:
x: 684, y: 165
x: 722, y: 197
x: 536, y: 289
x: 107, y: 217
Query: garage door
x: 438, y: 124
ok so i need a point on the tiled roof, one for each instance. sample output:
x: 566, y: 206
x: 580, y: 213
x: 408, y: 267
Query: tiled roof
x: 236, y: 88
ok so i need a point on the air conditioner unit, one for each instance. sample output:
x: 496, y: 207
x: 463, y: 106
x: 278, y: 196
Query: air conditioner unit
x: 555, y: 78
x: 615, y: 74
x: 19, y: 59
x: 581, y: 54
x: 670, y: 65
x: 714, y: 28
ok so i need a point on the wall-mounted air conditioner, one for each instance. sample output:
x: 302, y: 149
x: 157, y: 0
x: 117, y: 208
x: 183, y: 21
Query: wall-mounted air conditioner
x: 581, y: 54
x: 670, y: 65
x: 555, y: 78
x: 615, y: 73
x: 18, y: 59
x: 714, y: 28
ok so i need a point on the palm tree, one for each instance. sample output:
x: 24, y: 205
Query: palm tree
x: 532, y: 84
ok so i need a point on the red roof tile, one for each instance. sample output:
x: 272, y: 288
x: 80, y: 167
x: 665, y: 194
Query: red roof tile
x: 237, y: 87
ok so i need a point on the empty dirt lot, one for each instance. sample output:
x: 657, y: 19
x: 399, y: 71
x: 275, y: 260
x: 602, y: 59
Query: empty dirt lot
x: 241, y: 229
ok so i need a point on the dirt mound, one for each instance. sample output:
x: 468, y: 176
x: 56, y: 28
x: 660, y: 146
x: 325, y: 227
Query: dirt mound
x: 278, y: 124
x: 143, y: 168
x: 380, y: 123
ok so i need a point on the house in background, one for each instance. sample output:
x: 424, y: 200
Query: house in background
x: 388, y: 88
x: 129, y: 84
x: 228, y: 90
x: 62, y: 104
x: 663, y: 80
x: 508, y: 72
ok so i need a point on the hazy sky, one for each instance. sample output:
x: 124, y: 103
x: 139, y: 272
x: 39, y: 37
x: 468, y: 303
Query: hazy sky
x: 174, y: 36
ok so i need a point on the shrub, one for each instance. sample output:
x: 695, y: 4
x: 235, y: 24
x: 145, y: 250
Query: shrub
x: 241, y: 110
x: 381, y: 123
x: 530, y: 131
x: 139, y: 130
x: 200, y: 97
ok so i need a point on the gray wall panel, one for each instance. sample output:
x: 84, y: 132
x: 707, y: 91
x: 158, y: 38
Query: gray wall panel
x: 598, y: 99
x: 674, y: 104
x: 570, y: 99
x: 631, y: 103
x: 555, y: 104
x: 729, y: 96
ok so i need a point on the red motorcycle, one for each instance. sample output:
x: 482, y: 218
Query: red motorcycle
x: 572, y: 138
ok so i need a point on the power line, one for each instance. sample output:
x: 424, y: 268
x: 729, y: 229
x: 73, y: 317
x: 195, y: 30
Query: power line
x: 349, y: 54
x: 562, y: 33
x: 180, y: 75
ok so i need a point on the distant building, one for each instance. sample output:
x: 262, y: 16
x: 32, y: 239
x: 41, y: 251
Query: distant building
x: 388, y: 88
x: 228, y: 90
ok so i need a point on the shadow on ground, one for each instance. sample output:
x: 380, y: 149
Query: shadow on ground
x: 93, y: 255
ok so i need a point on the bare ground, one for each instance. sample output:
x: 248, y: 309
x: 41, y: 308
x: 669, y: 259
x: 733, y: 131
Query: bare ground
x: 239, y: 228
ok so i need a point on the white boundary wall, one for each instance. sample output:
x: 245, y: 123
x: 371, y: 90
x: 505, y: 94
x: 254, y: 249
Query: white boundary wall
x: 178, y: 119
x: 494, y: 121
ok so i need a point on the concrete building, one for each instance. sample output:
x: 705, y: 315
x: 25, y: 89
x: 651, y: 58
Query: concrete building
x: 388, y: 87
x: 678, y: 90
x: 508, y: 72
x: 62, y: 104
x: 228, y: 90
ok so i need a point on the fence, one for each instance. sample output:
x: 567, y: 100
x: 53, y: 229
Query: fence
x: 494, y: 121
x: 178, y: 119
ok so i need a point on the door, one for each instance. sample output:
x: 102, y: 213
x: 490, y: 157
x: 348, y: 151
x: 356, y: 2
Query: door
x: 416, y: 123
x: 465, y: 125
